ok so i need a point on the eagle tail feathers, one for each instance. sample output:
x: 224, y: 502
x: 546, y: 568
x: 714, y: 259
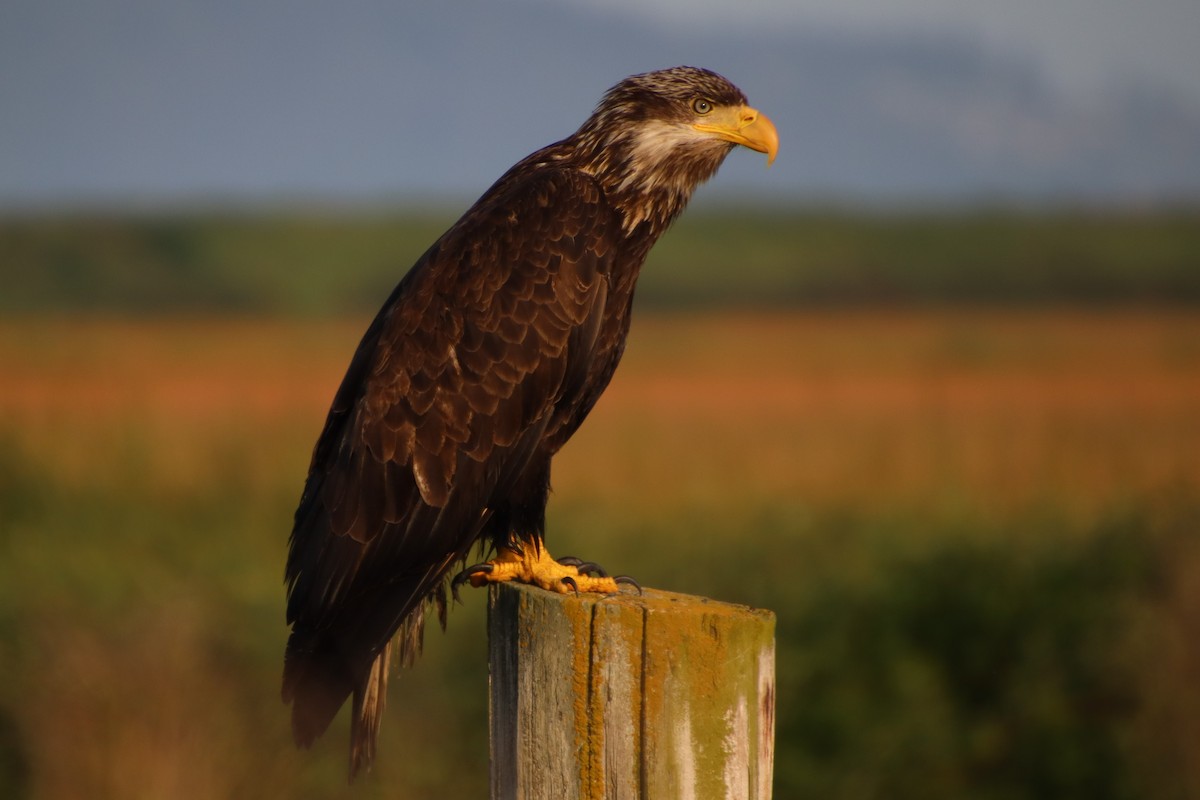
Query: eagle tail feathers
x: 318, y: 680
x: 370, y: 697
x: 316, y: 685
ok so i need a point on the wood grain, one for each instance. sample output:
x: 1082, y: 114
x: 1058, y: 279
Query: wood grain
x: 655, y: 696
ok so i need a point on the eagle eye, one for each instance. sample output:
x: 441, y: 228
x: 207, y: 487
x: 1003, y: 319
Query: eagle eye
x: 702, y: 106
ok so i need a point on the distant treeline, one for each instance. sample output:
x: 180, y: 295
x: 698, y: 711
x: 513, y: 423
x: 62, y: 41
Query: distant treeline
x: 309, y: 263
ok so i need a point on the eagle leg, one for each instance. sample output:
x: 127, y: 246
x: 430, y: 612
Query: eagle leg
x: 534, y: 565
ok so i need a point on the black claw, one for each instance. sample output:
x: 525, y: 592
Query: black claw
x: 569, y: 581
x: 465, y: 576
x: 625, y: 579
x: 583, y: 567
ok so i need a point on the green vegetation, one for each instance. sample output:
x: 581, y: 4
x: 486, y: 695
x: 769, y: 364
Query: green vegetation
x: 297, y: 264
x: 967, y: 656
x: 321, y: 264
x: 978, y: 257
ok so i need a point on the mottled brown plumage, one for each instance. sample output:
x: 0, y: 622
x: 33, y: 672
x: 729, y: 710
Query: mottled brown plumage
x: 479, y: 367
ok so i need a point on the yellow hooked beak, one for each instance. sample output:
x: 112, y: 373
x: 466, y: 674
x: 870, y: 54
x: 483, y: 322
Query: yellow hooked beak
x: 745, y: 126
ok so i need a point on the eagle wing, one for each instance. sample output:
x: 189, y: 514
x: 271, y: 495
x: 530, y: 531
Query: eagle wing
x: 483, y: 347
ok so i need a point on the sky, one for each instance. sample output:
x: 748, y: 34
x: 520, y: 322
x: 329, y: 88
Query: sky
x: 149, y: 99
x: 1084, y: 45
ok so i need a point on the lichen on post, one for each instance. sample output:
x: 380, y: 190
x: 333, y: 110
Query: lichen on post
x: 654, y: 696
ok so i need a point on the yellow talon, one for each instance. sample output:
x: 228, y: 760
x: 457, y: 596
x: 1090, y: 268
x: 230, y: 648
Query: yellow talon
x: 534, y: 565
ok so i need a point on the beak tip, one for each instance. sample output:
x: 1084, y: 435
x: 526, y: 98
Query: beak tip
x: 768, y: 136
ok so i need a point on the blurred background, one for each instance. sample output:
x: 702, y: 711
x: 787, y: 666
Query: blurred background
x: 929, y: 388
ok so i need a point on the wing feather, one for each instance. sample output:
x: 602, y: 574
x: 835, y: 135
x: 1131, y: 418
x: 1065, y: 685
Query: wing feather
x: 447, y: 398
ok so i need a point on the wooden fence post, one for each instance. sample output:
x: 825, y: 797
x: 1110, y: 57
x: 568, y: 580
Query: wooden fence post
x: 654, y: 697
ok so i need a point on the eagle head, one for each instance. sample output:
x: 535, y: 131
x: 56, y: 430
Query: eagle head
x: 655, y: 137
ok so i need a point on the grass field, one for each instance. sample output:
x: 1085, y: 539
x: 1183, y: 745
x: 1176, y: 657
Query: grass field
x: 978, y: 529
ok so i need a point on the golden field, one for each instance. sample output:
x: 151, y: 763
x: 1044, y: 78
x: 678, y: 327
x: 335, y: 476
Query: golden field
x: 991, y: 407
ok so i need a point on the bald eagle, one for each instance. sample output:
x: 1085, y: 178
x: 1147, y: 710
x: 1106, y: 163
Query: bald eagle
x: 480, y: 366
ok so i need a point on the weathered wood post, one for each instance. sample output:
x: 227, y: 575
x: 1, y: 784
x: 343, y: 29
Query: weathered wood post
x: 653, y: 697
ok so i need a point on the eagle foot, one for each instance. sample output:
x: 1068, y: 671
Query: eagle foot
x: 534, y: 565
